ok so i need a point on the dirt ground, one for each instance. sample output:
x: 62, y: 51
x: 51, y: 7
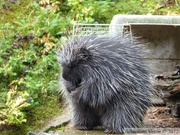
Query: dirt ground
x: 160, y: 117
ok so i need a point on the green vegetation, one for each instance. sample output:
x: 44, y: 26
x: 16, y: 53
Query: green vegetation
x: 29, y: 70
x: 30, y: 35
x: 36, y: 117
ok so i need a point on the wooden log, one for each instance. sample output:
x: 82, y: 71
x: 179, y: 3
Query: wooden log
x: 168, y: 84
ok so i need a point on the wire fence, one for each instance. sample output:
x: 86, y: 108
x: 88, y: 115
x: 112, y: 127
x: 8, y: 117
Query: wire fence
x: 101, y: 30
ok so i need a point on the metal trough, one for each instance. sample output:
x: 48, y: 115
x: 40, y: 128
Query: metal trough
x: 162, y: 34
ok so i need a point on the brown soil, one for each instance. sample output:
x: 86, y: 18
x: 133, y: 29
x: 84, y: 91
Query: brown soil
x: 160, y: 117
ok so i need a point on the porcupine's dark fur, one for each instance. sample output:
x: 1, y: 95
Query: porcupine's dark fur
x: 106, y: 82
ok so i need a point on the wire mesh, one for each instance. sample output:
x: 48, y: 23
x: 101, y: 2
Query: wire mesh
x: 101, y: 30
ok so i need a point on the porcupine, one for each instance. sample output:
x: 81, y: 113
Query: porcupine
x: 107, y: 83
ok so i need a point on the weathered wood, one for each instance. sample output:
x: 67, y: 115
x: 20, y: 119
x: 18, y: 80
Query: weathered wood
x: 168, y: 84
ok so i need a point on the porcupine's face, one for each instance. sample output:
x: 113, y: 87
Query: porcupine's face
x: 72, y: 67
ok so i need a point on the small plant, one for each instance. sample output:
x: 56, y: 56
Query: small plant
x: 91, y: 11
x: 12, y: 111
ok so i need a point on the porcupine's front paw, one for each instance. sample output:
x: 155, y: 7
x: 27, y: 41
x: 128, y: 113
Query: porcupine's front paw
x: 83, y: 127
x: 109, y: 131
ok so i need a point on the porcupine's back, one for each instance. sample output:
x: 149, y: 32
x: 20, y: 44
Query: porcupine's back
x: 105, y: 71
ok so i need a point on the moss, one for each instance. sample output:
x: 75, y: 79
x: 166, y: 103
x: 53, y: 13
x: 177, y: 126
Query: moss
x: 36, y: 118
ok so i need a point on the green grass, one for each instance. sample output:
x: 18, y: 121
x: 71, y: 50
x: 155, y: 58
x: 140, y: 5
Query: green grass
x: 36, y: 118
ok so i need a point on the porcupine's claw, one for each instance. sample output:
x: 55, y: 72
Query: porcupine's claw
x: 109, y: 131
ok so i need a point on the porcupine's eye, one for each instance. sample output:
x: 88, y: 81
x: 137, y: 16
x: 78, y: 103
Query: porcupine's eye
x: 84, y: 54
